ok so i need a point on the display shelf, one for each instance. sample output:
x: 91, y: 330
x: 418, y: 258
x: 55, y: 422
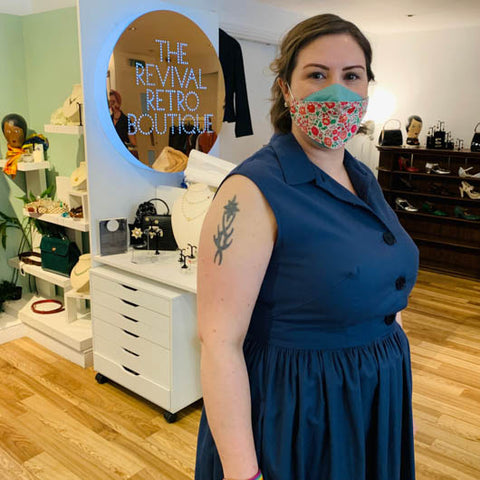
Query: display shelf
x: 436, y: 176
x: 465, y: 199
x: 165, y: 268
x: 28, y: 166
x: 68, y: 222
x: 447, y: 243
x: 72, y: 340
x: 66, y: 129
x: 437, y: 217
x: 38, y: 272
x: 463, y: 153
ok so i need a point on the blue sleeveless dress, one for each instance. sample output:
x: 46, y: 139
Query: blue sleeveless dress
x: 328, y: 366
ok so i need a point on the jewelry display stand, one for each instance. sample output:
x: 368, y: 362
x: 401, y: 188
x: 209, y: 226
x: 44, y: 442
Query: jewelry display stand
x: 188, y: 213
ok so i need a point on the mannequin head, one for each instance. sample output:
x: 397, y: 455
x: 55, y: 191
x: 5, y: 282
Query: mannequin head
x: 414, y: 126
x: 14, y: 127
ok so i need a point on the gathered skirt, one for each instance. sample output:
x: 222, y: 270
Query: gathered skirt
x: 327, y: 414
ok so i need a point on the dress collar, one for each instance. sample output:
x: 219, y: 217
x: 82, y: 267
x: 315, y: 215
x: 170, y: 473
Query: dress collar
x: 297, y: 169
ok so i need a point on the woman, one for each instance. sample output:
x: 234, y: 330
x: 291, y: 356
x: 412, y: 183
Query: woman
x: 303, y: 268
x: 119, y: 119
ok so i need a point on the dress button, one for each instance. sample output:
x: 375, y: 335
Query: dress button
x: 389, y: 238
x: 400, y: 283
x: 389, y: 319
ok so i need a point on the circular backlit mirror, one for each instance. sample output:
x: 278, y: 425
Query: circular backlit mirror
x: 165, y: 90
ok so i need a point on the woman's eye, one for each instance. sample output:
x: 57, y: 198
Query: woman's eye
x: 352, y: 76
x: 317, y: 75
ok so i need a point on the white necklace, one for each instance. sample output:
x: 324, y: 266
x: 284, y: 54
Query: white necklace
x: 190, y: 217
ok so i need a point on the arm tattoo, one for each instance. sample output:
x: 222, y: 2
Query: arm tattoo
x: 223, y: 238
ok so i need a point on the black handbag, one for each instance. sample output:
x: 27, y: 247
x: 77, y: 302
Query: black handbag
x: 151, y: 230
x: 475, y: 145
x: 391, y: 137
x: 58, y: 254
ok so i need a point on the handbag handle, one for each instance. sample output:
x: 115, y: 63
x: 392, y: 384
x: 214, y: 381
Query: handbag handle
x: 163, y: 201
x: 393, y: 120
x: 476, y: 126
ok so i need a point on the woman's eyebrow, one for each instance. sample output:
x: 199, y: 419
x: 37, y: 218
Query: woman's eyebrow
x: 324, y: 67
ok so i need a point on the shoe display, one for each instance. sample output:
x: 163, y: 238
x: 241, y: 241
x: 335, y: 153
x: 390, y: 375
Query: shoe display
x: 439, y: 189
x: 403, y: 204
x: 463, y: 173
x: 461, y: 212
x: 465, y: 187
x: 429, y: 207
x: 435, y: 168
x: 406, y: 185
x: 403, y: 164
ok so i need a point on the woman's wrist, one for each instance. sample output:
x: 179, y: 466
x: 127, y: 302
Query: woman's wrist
x: 257, y: 476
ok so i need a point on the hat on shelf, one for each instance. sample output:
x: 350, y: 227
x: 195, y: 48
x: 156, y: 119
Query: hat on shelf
x: 78, y: 179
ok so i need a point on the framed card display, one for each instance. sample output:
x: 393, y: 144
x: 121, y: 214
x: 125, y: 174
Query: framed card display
x: 113, y: 236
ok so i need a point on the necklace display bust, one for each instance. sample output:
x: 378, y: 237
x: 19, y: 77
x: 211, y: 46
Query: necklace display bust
x: 188, y: 213
x: 80, y: 274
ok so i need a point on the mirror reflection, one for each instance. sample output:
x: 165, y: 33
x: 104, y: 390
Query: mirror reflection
x: 165, y: 90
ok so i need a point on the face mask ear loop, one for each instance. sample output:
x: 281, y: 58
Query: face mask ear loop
x: 290, y: 92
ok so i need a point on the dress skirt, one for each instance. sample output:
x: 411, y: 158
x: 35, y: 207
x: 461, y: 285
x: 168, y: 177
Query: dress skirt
x: 328, y: 413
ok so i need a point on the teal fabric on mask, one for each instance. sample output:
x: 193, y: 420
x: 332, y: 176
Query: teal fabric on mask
x: 333, y: 93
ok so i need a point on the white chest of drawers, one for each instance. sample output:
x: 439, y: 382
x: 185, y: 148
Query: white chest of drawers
x: 145, y: 338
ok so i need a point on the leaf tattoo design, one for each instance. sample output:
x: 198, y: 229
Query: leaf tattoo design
x: 223, y: 238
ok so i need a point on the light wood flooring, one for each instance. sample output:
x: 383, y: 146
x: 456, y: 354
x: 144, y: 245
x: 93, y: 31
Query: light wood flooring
x: 57, y: 423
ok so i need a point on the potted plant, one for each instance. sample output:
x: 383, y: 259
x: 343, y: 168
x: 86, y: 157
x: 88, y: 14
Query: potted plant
x: 9, y: 291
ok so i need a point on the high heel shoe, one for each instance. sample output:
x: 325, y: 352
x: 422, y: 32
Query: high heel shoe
x: 435, y: 168
x: 463, y: 173
x: 403, y: 204
x: 403, y: 165
x: 465, y: 187
x: 463, y: 213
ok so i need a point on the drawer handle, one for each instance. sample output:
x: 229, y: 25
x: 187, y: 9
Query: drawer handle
x: 129, y: 303
x: 130, y: 352
x: 130, y: 318
x: 129, y: 370
x: 130, y: 333
x: 129, y: 288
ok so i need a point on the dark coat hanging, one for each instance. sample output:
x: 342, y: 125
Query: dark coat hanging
x: 236, y: 100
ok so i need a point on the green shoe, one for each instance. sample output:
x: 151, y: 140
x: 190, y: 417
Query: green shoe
x: 463, y: 213
x: 429, y: 207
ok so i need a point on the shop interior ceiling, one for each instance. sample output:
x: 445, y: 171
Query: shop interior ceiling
x: 389, y: 16
x: 373, y: 16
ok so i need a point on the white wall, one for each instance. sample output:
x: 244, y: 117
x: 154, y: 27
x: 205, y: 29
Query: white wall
x: 433, y: 74
x: 256, y: 59
x: 116, y: 186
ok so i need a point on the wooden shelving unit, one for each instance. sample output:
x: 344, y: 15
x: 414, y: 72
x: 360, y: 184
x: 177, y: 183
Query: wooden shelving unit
x: 447, y: 244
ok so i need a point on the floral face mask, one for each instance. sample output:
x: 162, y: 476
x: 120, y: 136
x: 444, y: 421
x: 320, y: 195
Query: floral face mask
x: 331, y: 116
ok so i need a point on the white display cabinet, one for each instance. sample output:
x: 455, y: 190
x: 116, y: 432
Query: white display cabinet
x: 145, y: 338
x: 68, y: 333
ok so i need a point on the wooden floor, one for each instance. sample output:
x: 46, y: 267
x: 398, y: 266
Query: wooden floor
x: 57, y: 423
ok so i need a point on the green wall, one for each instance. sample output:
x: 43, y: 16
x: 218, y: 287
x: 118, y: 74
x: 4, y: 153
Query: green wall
x: 40, y: 63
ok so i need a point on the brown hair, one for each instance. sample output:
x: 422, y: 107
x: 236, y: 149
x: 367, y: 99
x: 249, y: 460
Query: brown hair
x: 296, y: 39
x: 117, y: 96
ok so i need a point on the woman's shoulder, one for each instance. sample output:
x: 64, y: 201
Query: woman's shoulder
x: 263, y: 166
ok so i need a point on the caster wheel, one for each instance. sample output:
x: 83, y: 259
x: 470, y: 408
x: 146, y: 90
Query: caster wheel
x: 170, y: 417
x: 101, y: 379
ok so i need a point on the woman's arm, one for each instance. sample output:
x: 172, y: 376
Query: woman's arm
x: 399, y: 319
x: 235, y: 247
